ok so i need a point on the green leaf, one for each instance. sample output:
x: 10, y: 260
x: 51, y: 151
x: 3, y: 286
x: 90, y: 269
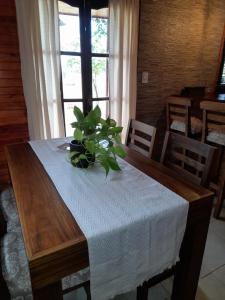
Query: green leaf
x: 112, y: 123
x: 78, y: 114
x: 113, y: 164
x: 105, y: 166
x: 110, y: 143
x: 90, y: 146
x: 74, y: 124
x: 94, y: 117
x: 102, y: 152
x: 73, y: 153
x: 120, y: 151
x: 116, y: 129
x: 103, y: 122
x: 75, y: 161
x: 82, y: 156
x: 117, y: 138
x: 97, y: 112
x: 78, y: 135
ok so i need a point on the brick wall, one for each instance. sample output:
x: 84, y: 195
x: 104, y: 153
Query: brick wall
x: 178, y: 45
x: 13, y: 120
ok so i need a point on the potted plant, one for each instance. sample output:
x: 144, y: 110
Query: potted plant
x: 95, y: 140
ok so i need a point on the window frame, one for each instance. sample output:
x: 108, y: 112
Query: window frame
x: 85, y: 54
x: 220, y: 86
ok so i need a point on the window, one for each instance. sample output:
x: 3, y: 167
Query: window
x: 84, y: 49
x: 222, y: 79
x: 221, y: 82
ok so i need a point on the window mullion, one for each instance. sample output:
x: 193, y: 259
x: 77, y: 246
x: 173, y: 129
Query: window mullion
x: 85, y: 29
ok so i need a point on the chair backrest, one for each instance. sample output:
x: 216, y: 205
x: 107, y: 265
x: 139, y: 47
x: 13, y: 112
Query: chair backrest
x: 178, y: 109
x: 140, y: 137
x: 213, y: 117
x: 196, y: 94
x: 190, y: 158
x: 193, y: 92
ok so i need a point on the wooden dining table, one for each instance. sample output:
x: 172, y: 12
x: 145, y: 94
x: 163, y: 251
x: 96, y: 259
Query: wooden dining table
x: 56, y: 246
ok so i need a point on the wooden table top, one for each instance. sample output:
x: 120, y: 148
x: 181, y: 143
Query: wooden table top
x: 54, y: 242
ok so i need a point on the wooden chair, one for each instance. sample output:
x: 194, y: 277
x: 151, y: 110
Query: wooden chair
x: 178, y: 114
x: 181, y: 154
x: 141, y: 137
x: 214, y: 133
x: 196, y: 94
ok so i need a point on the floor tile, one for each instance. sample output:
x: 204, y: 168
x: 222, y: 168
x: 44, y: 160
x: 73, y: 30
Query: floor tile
x: 156, y: 293
x: 217, y: 227
x: 210, y: 288
x: 214, y: 255
x: 168, y: 284
x: 220, y: 274
x: 128, y: 296
x: 222, y: 214
x: 76, y: 295
x: 204, y: 270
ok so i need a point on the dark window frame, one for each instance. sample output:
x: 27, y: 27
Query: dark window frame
x: 221, y: 87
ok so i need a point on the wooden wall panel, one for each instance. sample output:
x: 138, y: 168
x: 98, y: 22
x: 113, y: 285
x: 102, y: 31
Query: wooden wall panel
x: 13, y: 119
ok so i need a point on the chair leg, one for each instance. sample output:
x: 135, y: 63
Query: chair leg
x: 87, y: 291
x: 4, y: 292
x: 220, y: 199
x: 138, y: 297
x: 142, y: 292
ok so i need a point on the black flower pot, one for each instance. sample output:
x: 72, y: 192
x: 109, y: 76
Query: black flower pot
x: 80, y: 148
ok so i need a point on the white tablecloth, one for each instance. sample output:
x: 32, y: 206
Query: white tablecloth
x: 134, y: 225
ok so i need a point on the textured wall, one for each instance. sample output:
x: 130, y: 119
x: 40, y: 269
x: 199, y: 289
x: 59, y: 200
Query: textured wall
x: 13, y: 120
x: 178, y: 45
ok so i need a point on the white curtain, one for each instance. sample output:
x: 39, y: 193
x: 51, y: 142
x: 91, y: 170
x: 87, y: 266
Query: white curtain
x: 39, y: 52
x: 124, y: 24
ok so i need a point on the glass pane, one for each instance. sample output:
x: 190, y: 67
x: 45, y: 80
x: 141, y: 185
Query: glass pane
x: 99, y: 30
x: 69, y: 116
x: 100, y: 77
x: 71, y: 77
x: 104, y: 106
x: 223, y: 76
x: 69, y: 26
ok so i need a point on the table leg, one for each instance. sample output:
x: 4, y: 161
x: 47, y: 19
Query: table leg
x: 220, y: 198
x: 50, y: 292
x: 191, y: 254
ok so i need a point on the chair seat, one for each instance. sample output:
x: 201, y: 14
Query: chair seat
x: 9, y: 209
x: 15, y: 268
x: 216, y: 137
x: 178, y: 126
x: 196, y: 125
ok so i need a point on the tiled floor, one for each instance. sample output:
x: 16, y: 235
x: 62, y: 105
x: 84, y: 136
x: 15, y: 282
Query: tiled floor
x: 212, y: 280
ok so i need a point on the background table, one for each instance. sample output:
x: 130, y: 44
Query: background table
x: 55, y: 244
